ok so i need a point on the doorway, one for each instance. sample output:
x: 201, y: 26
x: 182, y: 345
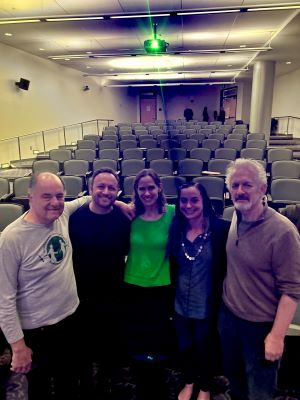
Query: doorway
x: 148, y: 108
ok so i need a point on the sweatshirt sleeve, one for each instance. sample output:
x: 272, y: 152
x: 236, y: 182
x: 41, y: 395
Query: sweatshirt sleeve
x: 286, y: 263
x: 9, y: 268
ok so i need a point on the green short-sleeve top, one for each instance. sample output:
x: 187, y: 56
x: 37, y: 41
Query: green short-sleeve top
x: 147, y: 264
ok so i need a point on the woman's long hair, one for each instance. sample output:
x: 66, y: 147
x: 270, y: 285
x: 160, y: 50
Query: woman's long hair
x: 161, y: 200
x: 180, y: 224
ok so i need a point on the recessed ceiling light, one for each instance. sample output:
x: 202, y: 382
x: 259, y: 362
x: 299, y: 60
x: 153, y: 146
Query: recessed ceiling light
x: 229, y: 65
x: 8, y: 34
x: 67, y: 59
x: 288, y: 62
x: 41, y: 49
x: 243, y: 45
x: 88, y: 52
x: 88, y: 67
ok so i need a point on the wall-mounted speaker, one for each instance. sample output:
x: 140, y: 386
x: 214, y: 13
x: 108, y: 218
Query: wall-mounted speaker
x: 85, y: 88
x: 23, y: 84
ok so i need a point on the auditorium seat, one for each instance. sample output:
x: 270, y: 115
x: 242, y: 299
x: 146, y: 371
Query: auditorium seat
x: 155, y: 154
x: 215, y: 188
x: 285, y: 191
x: 105, y: 163
x: 162, y: 167
x: 86, y: 144
x: 130, y: 154
x: 112, y: 154
x: 74, y: 187
x: 257, y: 144
x: 85, y: 154
x: 60, y: 155
x: 171, y: 185
x: 226, y: 153
x: 279, y: 154
x: 285, y: 169
x: 45, y: 166
x: 8, y: 213
x: 190, y: 168
x: 131, y: 167
x: 252, y: 153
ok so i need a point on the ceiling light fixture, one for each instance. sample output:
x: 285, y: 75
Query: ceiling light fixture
x: 186, y: 52
x: 170, y: 84
x: 275, y: 8
x: 139, y: 16
x: 8, y: 34
x: 220, y: 11
x: 288, y: 62
x: 62, y: 19
x: 18, y: 21
x: 174, y: 13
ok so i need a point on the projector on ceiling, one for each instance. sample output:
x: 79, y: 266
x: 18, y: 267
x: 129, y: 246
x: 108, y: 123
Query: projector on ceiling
x: 155, y: 46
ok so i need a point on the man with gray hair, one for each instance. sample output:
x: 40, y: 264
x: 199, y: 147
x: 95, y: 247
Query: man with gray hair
x: 261, y: 288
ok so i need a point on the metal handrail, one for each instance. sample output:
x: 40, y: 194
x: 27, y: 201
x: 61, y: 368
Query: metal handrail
x: 59, y: 127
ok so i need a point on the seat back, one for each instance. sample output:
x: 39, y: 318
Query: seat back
x: 285, y: 191
x: 8, y: 213
x: 162, y: 167
x: 201, y: 154
x: 111, y: 154
x: 132, y: 167
x: 133, y: 154
x: 171, y: 185
x: 85, y: 154
x: 105, y: 163
x: 211, y: 144
x: 225, y: 153
x: 155, y: 154
x: 190, y: 167
x: 60, y: 155
x: 20, y: 186
x: 218, y: 165
x: 76, y: 167
x: 4, y: 186
x: 86, y: 144
x: 255, y: 154
x: 279, y: 154
x: 236, y: 144
x: 148, y: 143
x: 285, y: 169
x: 73, y: 186
x: 257, y: 144
x: 45, y: 166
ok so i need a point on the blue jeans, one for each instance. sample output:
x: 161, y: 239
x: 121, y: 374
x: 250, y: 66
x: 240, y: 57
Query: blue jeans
x: 251, y: 376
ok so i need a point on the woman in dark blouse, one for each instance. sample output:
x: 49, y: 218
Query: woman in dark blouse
x: 197, y: 247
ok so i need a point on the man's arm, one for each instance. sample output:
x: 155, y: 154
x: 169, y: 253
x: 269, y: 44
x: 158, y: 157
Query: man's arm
x: 127, y: 209
x: 274, y: 342
x: 21, y: 357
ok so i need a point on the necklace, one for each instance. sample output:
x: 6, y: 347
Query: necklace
x: 204, y: 237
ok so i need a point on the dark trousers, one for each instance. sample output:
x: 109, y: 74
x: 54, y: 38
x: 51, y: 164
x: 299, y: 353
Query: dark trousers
x: 101, y: 346
x: 149, y: 338
x: 250, y: 375
x: 195, y: 346
x: 54, y: 361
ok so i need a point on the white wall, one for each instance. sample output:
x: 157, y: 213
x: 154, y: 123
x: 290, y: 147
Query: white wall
x: 55, y: 96
x: 286, y: 97
x: 177, y: 98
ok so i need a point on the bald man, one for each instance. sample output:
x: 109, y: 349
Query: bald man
x: 38, y: 295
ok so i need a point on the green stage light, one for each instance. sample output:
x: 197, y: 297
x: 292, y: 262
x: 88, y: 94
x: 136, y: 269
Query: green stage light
x: 154, y: 46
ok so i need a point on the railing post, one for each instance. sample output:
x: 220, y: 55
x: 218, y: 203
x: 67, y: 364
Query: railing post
x: 81, y: 130
x: 43, y: 137
x: 19, y: 146
x: 98, y: 127
x: 288, y: 123
x: 64, y: 131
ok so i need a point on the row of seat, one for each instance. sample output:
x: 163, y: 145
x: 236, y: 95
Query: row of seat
x: 282, y: 191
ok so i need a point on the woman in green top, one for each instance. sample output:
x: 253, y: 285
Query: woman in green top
x: 147, y: 273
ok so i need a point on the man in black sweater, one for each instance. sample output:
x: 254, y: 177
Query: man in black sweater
x: 99, y: 232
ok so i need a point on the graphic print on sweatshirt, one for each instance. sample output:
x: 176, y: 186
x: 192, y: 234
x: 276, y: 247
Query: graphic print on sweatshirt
x: 55, y: 249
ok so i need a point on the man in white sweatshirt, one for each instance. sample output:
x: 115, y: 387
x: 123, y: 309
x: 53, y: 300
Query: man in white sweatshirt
x: 38, y: 295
